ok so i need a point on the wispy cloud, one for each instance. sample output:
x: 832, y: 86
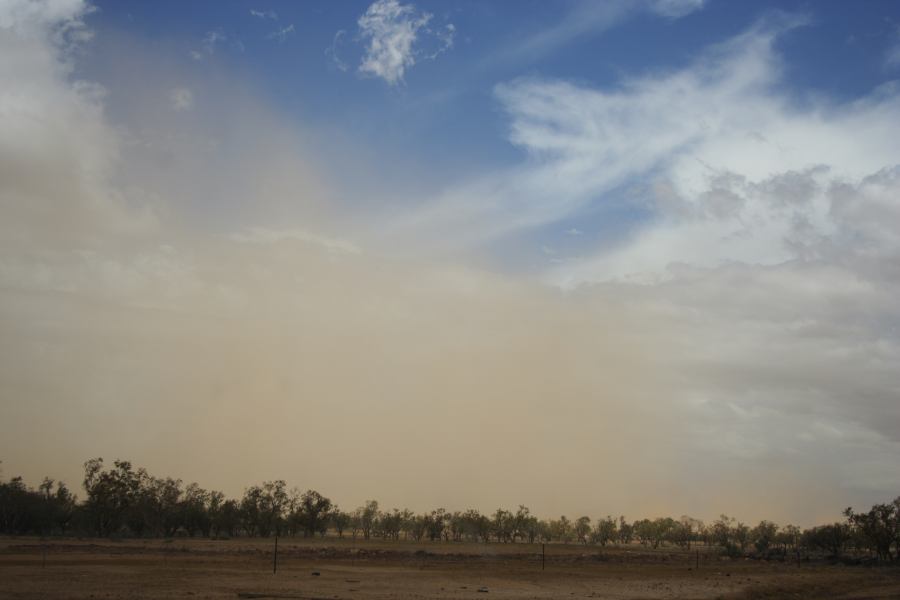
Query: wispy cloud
x: 208, y: 44
x: 264, y: 14
x: 334, y: 50
x: 181, y: 98
x: 585, y: 17
x: 443, y: 38
x: 392, y: 31
x: 892, y: 54
x: 582, y: 142
x: 266, y: 236
x: 126, y: 276
x: 675, y: 8
x: 282, y: 34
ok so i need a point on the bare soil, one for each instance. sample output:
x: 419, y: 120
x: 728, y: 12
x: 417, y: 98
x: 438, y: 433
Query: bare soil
x: 334, y: 569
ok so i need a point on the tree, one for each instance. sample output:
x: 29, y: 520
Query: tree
x: 764, y: 536
x: 340, y: 520
x: 831, y: 539
x: 418, y: 527
x: 475, y: 526
x: 503, y: 525
x: 195, y: 510
x: 741, y: 535
x: 14, y: 503
x: 788, y: 538
x: 312, y: 512
x: 390, y: 524
x: 582, y: 529
x: 605, y: 531
x: 687, y: 530
x: 721, y: 531
x: 561, y: 529
x: 262, y: 508
x: 626, y: 531
x: 435, y: 523
x: 368, y: 514
x: 525, y: 524
x: 653, y: 532
x: 879, y: 528
x: 111, y: 493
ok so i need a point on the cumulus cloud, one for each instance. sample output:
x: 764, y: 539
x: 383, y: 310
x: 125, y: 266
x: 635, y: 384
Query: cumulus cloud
x: 678, y: 145
x: 392, y: 30
x: 57, y: 19
x: 763, y: 259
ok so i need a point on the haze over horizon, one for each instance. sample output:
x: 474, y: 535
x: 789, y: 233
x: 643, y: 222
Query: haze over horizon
x: 637, y: 257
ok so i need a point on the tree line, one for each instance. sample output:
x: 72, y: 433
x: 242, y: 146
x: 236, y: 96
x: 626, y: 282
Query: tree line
x: 122, y: 500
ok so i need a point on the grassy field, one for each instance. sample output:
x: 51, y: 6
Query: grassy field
x: 343, y: 569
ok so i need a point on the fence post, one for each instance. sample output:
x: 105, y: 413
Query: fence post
x: 275, y: 557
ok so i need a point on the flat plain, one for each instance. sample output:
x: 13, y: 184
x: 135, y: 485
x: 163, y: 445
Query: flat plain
x: 336, y: 569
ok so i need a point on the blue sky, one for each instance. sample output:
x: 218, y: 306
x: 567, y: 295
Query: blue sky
x: 446, y: 105
x: 440, y: 121
x: 504, y: 229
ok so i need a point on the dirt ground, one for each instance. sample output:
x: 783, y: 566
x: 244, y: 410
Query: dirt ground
x: 343, y: 569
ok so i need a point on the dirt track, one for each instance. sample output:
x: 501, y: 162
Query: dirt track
x: 346, y: 570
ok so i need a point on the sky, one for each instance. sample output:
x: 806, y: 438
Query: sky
x: 635, y: 257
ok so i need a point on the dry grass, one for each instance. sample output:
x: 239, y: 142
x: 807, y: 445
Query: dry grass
x: 357, y: 570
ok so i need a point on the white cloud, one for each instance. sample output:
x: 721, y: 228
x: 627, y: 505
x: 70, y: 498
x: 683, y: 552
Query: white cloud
x: 686, y: 146
x: 584, y: 18
x: 182, y: 98
x: 892, y: 56
x: 676, y: 8
x: 444, y: 41
x: 211, y: 39
x: 264, y: 14
x: 333, y: 51
x: 764, y: 266
x: 208, y: 44
x: 282, y: 34
x: 52, y: 125
x: 752, y: 369
x: 45, y: 17
x: 392, y: 31
x: 738, y: 173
